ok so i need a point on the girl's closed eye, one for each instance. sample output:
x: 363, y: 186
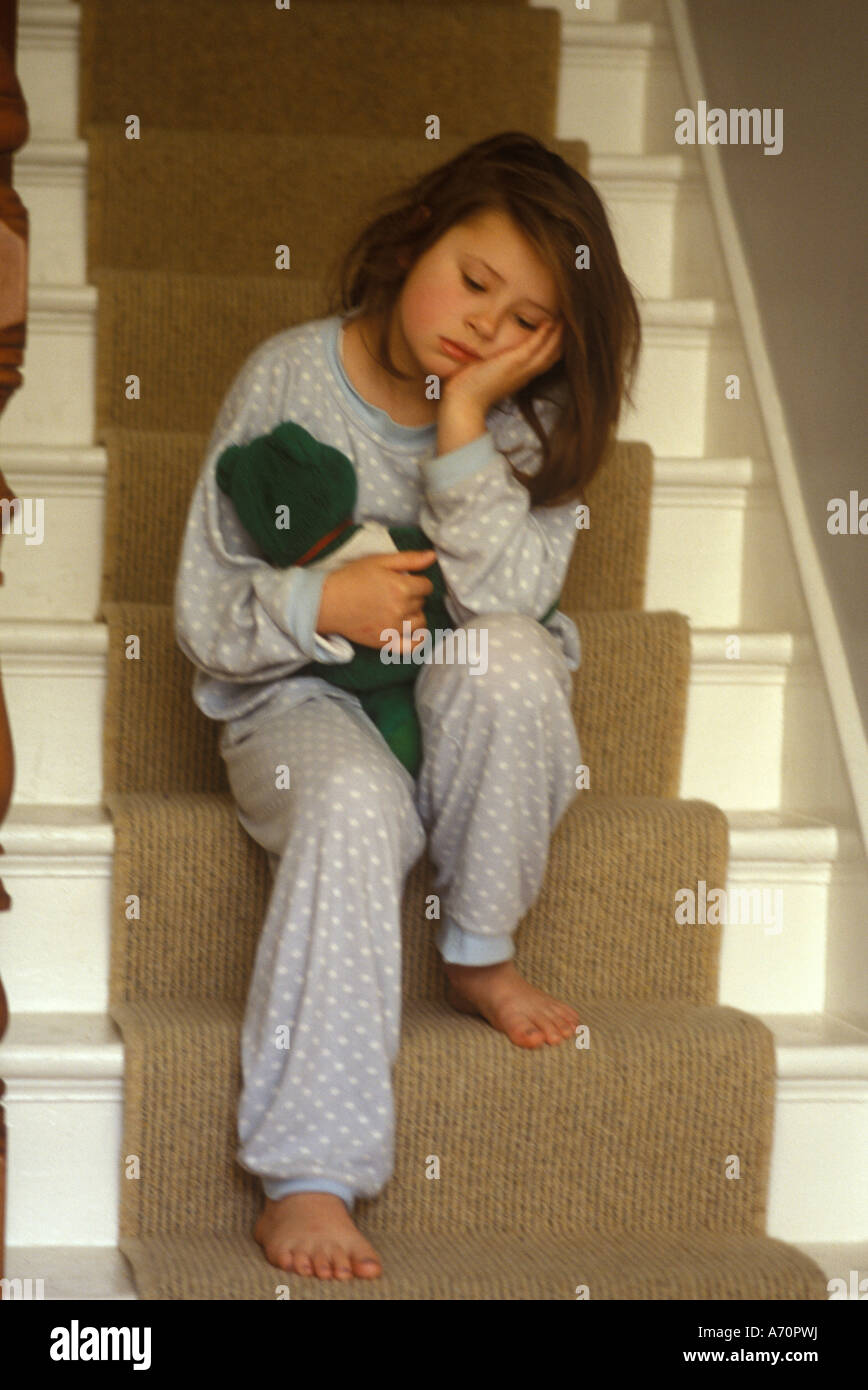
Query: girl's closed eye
x: 532, y: 327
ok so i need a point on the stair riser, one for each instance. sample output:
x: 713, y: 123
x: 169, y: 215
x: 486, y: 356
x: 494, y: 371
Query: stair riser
x: 72, y: 1149
x: 692, y: 365
x: 55, y: 404
x: 46, y: 64
x: 662, y: 228
x: 759, y: 738
x: 55, y: 706
x: 700, y: 546
x: 47, y: 68
x: 676, y: 412
x: 55, y: 945
x: 702, y: 557
x: 568, y: 1132
x: 55, y: 196
x: 622, y: 99
x: 665, y: 237
x: 52, y: 578
x: 63, y: 1166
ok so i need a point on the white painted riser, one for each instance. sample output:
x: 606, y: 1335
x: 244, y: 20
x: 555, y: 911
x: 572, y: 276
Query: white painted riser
x: 662, y: 225
x: 689, y: 351
x: 738, y: 752
x: 720, y: 552
x: 622, y: 95
x: 46, y: 63
x: 707, y: 525
x: 656, y: 206
x: 54, y: 944
x: 758, y: 736
x: 65, y: 1136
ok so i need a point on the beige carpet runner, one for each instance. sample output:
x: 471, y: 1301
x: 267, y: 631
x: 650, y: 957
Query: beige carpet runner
x: 603, y: 1166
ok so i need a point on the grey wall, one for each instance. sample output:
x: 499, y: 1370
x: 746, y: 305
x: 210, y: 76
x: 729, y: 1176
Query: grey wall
x: 801, y: 217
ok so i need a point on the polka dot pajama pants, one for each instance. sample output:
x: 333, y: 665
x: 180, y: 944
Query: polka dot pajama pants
x: 322, y: 1023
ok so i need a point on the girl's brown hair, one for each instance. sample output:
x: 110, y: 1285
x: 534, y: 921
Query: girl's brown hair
x: 558, y: 211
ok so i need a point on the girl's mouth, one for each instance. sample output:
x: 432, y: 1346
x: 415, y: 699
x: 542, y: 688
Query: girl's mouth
x: 459, y: 353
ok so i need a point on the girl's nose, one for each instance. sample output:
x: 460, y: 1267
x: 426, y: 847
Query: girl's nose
x: 482, y: 330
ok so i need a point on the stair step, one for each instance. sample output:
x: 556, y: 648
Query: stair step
x: 58, y: 868
x: 89, y: 1273
x: 312, y: 194
x: 690, y: 348
x: 555, y: 1128
x: 718, y: 546
x: 762, y: 689
x: 78, y: 1273
x: 455, y: 1266
x: 445, y: 49
x: 64, y: 1107
x: 635, y: 57
x: 656, y: 205
x: 564, y: 941
x: 708, y: 516
x: 628, y: 694
x: 495, y: 1265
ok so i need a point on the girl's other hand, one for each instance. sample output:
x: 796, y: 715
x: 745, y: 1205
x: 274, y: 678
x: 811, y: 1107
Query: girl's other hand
x: 365, y: 596
x: 477, y: 386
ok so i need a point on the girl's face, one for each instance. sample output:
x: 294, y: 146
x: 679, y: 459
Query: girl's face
x: 482, y: 286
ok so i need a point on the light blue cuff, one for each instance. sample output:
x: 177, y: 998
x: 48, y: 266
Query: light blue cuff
x: 461, y: 947
x: 275, y: 1188
x: 440, y: 473
x: 303, y: 599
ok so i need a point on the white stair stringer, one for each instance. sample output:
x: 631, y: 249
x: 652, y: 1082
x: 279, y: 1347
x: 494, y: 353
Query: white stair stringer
x: 719, y: 551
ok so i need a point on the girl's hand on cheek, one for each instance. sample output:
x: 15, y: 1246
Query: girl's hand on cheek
x: 479, y: 385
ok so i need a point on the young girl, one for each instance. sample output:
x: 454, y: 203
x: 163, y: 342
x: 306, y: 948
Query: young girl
x: 473, y: 332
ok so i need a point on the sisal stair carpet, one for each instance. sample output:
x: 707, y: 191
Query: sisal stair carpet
x: 562, y: 1167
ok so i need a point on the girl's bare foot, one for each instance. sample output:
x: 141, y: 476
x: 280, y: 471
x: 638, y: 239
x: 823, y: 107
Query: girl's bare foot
x: 313, y: 1233
x: 527, y: 1015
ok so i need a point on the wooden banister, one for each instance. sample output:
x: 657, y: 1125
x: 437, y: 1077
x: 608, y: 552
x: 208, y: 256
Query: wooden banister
x: 14, y: 131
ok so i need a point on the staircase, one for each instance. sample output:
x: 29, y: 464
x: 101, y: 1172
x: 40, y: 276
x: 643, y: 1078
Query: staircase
x: 759, y: 738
